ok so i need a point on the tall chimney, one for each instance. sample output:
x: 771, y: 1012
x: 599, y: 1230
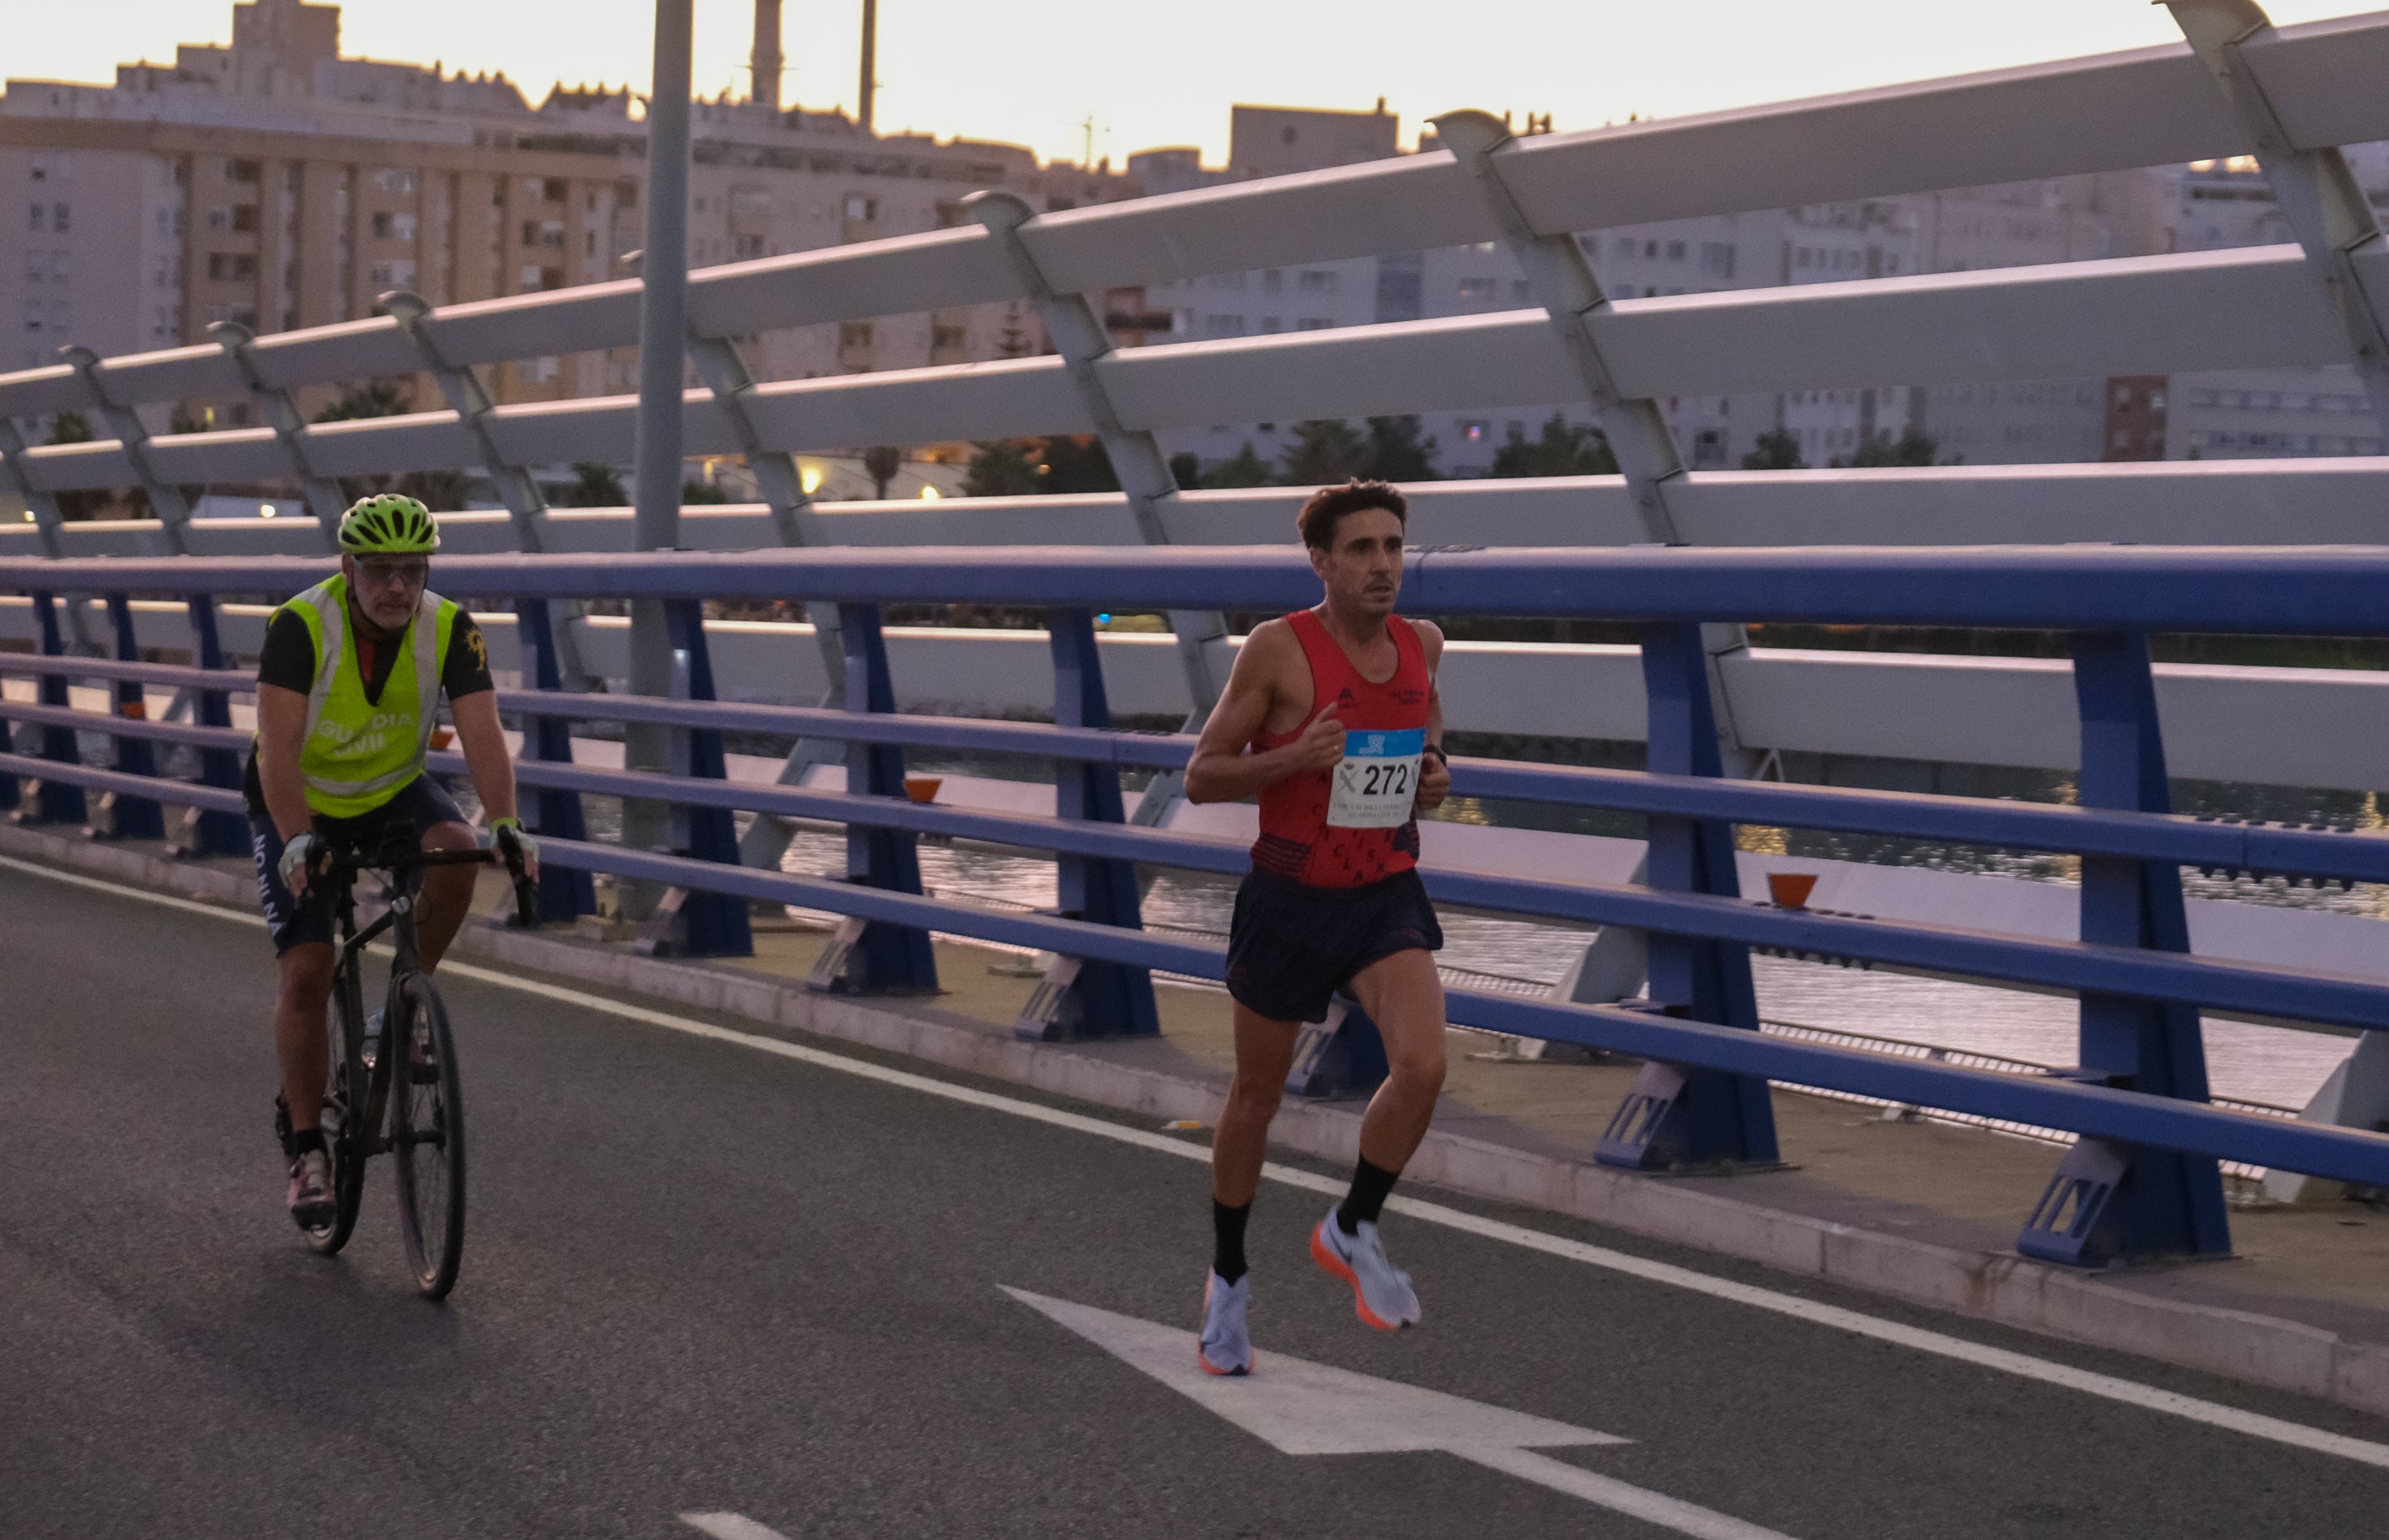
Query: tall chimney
x: 766, y: 58
x: 870, y: 61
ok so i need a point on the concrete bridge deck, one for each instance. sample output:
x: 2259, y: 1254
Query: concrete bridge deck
x: 708, y: 1277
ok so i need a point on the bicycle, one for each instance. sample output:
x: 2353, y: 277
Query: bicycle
x: 424, y: 1123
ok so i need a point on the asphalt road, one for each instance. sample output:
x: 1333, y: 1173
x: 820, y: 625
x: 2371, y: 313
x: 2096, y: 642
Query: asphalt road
x: 704, y: 1278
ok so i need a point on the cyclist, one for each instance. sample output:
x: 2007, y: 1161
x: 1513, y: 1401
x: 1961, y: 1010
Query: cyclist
x: 348, y: 689
x: 1331, y: 717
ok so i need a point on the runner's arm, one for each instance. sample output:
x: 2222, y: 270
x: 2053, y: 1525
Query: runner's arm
x: 1434, y: 775
x: 281, y: 735
x: 1220, y: 770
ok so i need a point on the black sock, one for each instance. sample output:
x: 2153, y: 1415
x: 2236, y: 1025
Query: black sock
x: 304, y: 1141
x: 1367, y: 1199
x: 1228, y: 1240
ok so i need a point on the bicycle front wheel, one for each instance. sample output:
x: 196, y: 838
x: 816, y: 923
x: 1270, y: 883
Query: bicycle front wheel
x: 343, y: 1120
x: 426, y: 1133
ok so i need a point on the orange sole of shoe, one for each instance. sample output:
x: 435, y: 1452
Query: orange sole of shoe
x: 1335, y: 1266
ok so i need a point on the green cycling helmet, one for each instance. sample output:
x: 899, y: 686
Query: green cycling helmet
x: 390, y: 525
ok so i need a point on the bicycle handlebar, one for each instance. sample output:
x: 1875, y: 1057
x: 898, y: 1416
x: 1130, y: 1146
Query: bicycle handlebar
x: 400, y: 853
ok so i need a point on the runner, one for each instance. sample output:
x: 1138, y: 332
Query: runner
x: 1330, y: 716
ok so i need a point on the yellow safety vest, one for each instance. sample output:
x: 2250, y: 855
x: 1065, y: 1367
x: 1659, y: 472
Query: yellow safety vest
x: 357, y: 754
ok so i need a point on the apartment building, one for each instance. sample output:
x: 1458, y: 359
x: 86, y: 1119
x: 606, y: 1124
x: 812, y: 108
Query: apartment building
x: 275, y: 185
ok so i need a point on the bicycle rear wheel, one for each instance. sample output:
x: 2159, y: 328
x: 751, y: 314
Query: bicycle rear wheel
x: 426, y: 1133
x: 342, y: 1122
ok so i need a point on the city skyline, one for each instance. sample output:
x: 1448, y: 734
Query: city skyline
x: 1150, y: 78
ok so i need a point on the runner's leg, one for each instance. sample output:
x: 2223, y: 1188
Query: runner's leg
x: 1264, y: 1058
x: 1403, y: 995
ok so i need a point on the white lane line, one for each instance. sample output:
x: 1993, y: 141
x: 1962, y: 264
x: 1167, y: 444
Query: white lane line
x: 737, y: 1526
x: 2131, y: 1393
x: 1638, y: 1502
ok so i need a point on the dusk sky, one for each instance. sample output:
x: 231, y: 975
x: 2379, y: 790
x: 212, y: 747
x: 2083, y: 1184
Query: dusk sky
x: 1031, y: 72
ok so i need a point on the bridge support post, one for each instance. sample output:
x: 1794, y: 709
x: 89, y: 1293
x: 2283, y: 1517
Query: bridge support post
x: 2110, y: 1202
x: 166, y: 500
x: 1563, y: 282
x: 46, y: 801
x: 1081, y: 998
x: 1136, y: 458
x: 707, y: 924
x: 117, y: 816
x: 474, y: 408
x: 564, y: 894
x: 46, y: 522
x: 781, y: 484
x: 2316, y: 191
x: 322, y: 493
x: 1677, y: 1118
x: 205, y: 833
x: 872, y: 956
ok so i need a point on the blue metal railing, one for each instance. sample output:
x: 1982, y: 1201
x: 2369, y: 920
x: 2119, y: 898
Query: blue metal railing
x: 2141, y: 1182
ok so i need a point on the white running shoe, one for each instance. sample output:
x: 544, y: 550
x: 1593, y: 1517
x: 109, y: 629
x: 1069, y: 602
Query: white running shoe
x: 1381, y: 1295
x: 1226, y: 1346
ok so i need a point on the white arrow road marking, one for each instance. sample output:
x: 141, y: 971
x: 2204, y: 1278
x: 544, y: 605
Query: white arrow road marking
x: 1916, y: 1339
x: 1299, y: 1408
x: 730, y: 1527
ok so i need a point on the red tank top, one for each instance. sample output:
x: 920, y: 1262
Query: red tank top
x: 1296, y: 839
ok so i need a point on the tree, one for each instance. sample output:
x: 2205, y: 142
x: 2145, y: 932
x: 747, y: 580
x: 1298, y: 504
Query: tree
x: 1778, y: 449
x: 74, y: 428
x: 1186, y: 469
x: 1000, y: 470
x: 1562, y: 449
x: 1914, y: 447
x: 1398, y: 451
x: 1069, y: 465
x: 439, y: 492
x: 380, y: 397
x: 880, y: 462
x: 1243, y: 468
x: 701, y: 492
x: 595, y: 485
x: 1325, y: 451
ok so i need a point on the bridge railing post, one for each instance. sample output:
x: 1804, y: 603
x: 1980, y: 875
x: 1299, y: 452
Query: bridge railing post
x: 46, y: 800
x: 1675, y: 1117
x: 2109, y: 1200
x: 1081, y: 997
x: 564, y: 894
x: 206, y: 832
x: 872, y: 956
x: 119, y: 816
x: 709, y: 924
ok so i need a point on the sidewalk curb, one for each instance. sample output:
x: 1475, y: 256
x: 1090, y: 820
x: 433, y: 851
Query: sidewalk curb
x: 2011, y: 1289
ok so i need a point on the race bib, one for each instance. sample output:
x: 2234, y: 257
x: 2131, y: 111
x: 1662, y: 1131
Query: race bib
x: 1375, y: 784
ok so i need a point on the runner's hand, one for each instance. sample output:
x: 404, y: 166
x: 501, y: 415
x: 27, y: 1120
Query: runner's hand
x: 1322, y: 744
x: 1434, y: 783
x: 298, y: 862
x: 509, y: 832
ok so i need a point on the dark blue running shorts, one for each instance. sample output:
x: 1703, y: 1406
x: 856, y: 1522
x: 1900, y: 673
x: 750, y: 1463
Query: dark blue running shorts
x: 422, y: 802
x: 1292, y: 945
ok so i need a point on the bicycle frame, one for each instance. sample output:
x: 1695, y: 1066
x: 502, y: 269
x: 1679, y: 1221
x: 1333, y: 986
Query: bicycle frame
x: 403, y: 888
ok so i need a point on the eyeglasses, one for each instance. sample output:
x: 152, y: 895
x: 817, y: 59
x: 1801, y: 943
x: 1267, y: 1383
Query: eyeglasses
x: 401, y: 573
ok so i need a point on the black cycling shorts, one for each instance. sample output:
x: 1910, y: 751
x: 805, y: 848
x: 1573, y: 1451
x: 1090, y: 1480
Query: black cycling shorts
x: 1292, y: 945
x: 422, y: 802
